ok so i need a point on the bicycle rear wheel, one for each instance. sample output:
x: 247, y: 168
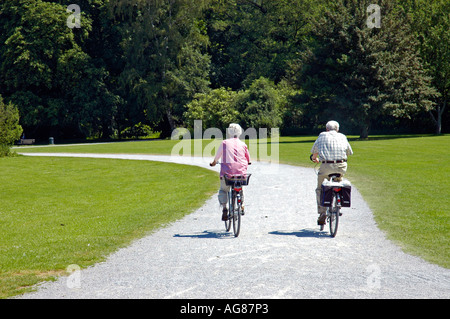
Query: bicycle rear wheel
x: 230, y: 212
x: 228, y: 223
x: 333, y: 218
x: 237, y: 220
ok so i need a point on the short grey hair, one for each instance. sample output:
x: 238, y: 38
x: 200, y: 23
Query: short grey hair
x: 234, y: 130
x: 332, y: 126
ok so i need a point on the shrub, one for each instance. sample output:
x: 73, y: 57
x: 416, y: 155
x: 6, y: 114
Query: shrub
x: 261, y: 105
x: 10, y: 130
x: 138, y: 131
x: 215, y: 109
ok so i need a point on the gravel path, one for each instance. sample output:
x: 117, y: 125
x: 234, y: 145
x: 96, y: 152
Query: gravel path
x: 280, y: 252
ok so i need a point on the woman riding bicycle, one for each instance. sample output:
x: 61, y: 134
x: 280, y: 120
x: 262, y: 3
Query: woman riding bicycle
x: 235, y: 158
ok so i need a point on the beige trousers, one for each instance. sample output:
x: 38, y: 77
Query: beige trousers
x: 324, y: 170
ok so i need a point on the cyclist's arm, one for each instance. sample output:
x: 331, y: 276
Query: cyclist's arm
x: 247, y: 155
x: 315, y: 157
x: 218, y: 155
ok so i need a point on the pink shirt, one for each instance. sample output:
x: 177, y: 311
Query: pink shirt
x: 235, y: 157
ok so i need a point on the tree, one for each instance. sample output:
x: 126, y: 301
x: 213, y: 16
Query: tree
x: 45, y: 71
x: 164, y: 44
x: 355, y: 74
x: 10, y: 130
x: 261, y: 105
x: 430, y: 21
x: 217, y: 108
x: 253, y: 38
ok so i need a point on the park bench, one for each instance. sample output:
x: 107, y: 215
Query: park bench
x: 27, y: 141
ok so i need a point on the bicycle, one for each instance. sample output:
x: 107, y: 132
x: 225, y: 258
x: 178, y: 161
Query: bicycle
x: 235, y: 201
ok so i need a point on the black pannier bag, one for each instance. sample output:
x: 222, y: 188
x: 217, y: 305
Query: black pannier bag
x: 327, y: 193
x: 346, y: 195
x: 327, y: 196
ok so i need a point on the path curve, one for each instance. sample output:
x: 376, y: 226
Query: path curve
x: 280, y: 252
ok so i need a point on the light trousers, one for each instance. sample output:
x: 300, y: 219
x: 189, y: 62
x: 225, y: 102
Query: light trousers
x: 324, y: 170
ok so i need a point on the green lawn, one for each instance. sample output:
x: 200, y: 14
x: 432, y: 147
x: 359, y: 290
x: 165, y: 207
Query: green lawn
x: 406, y: 183
x: 135, y: 147
x: 403, y: 178
x: 55, y: 212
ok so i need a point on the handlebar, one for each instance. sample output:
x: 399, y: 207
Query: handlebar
x: 210, y: 164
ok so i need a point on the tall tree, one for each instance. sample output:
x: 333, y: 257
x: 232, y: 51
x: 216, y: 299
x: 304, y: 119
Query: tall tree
x: 430, y: 20
x: 254, y: 38
x: 45, y: 72
x: 165, y: 51
x: 355, y: 73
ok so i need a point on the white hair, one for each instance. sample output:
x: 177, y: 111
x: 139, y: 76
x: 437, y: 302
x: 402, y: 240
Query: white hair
x: 332, y: 126
x: 234, y: 130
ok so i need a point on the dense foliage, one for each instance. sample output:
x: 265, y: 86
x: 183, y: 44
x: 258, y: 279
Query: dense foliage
x: 263, y: 63
x: 10, y: 130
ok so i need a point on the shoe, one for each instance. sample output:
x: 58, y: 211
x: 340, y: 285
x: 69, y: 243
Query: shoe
x: 322, y: 219
x: 225, y: 214
x: 242, y: 211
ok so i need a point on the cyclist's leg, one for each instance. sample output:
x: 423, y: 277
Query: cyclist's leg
x: 340, y: 168
x: 324, y: 170
x: 223, y: 197
x: 242, y: 201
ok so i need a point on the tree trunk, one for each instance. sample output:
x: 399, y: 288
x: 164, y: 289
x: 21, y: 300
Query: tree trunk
x: 438, y: 118
x: 364, y: 131
x: 439, y: 123
x: 170, y: 120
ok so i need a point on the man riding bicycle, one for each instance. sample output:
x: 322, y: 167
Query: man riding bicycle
x: 331, y: 149
x: 235, y: 158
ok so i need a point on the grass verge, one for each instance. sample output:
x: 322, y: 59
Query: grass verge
x: 405, y: 180
x: 55, y: 212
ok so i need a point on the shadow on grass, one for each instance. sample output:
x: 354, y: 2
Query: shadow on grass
x: 390, y: 137
x: 312, y: 139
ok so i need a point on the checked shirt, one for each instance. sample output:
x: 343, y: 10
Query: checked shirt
x: 332, y: 146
